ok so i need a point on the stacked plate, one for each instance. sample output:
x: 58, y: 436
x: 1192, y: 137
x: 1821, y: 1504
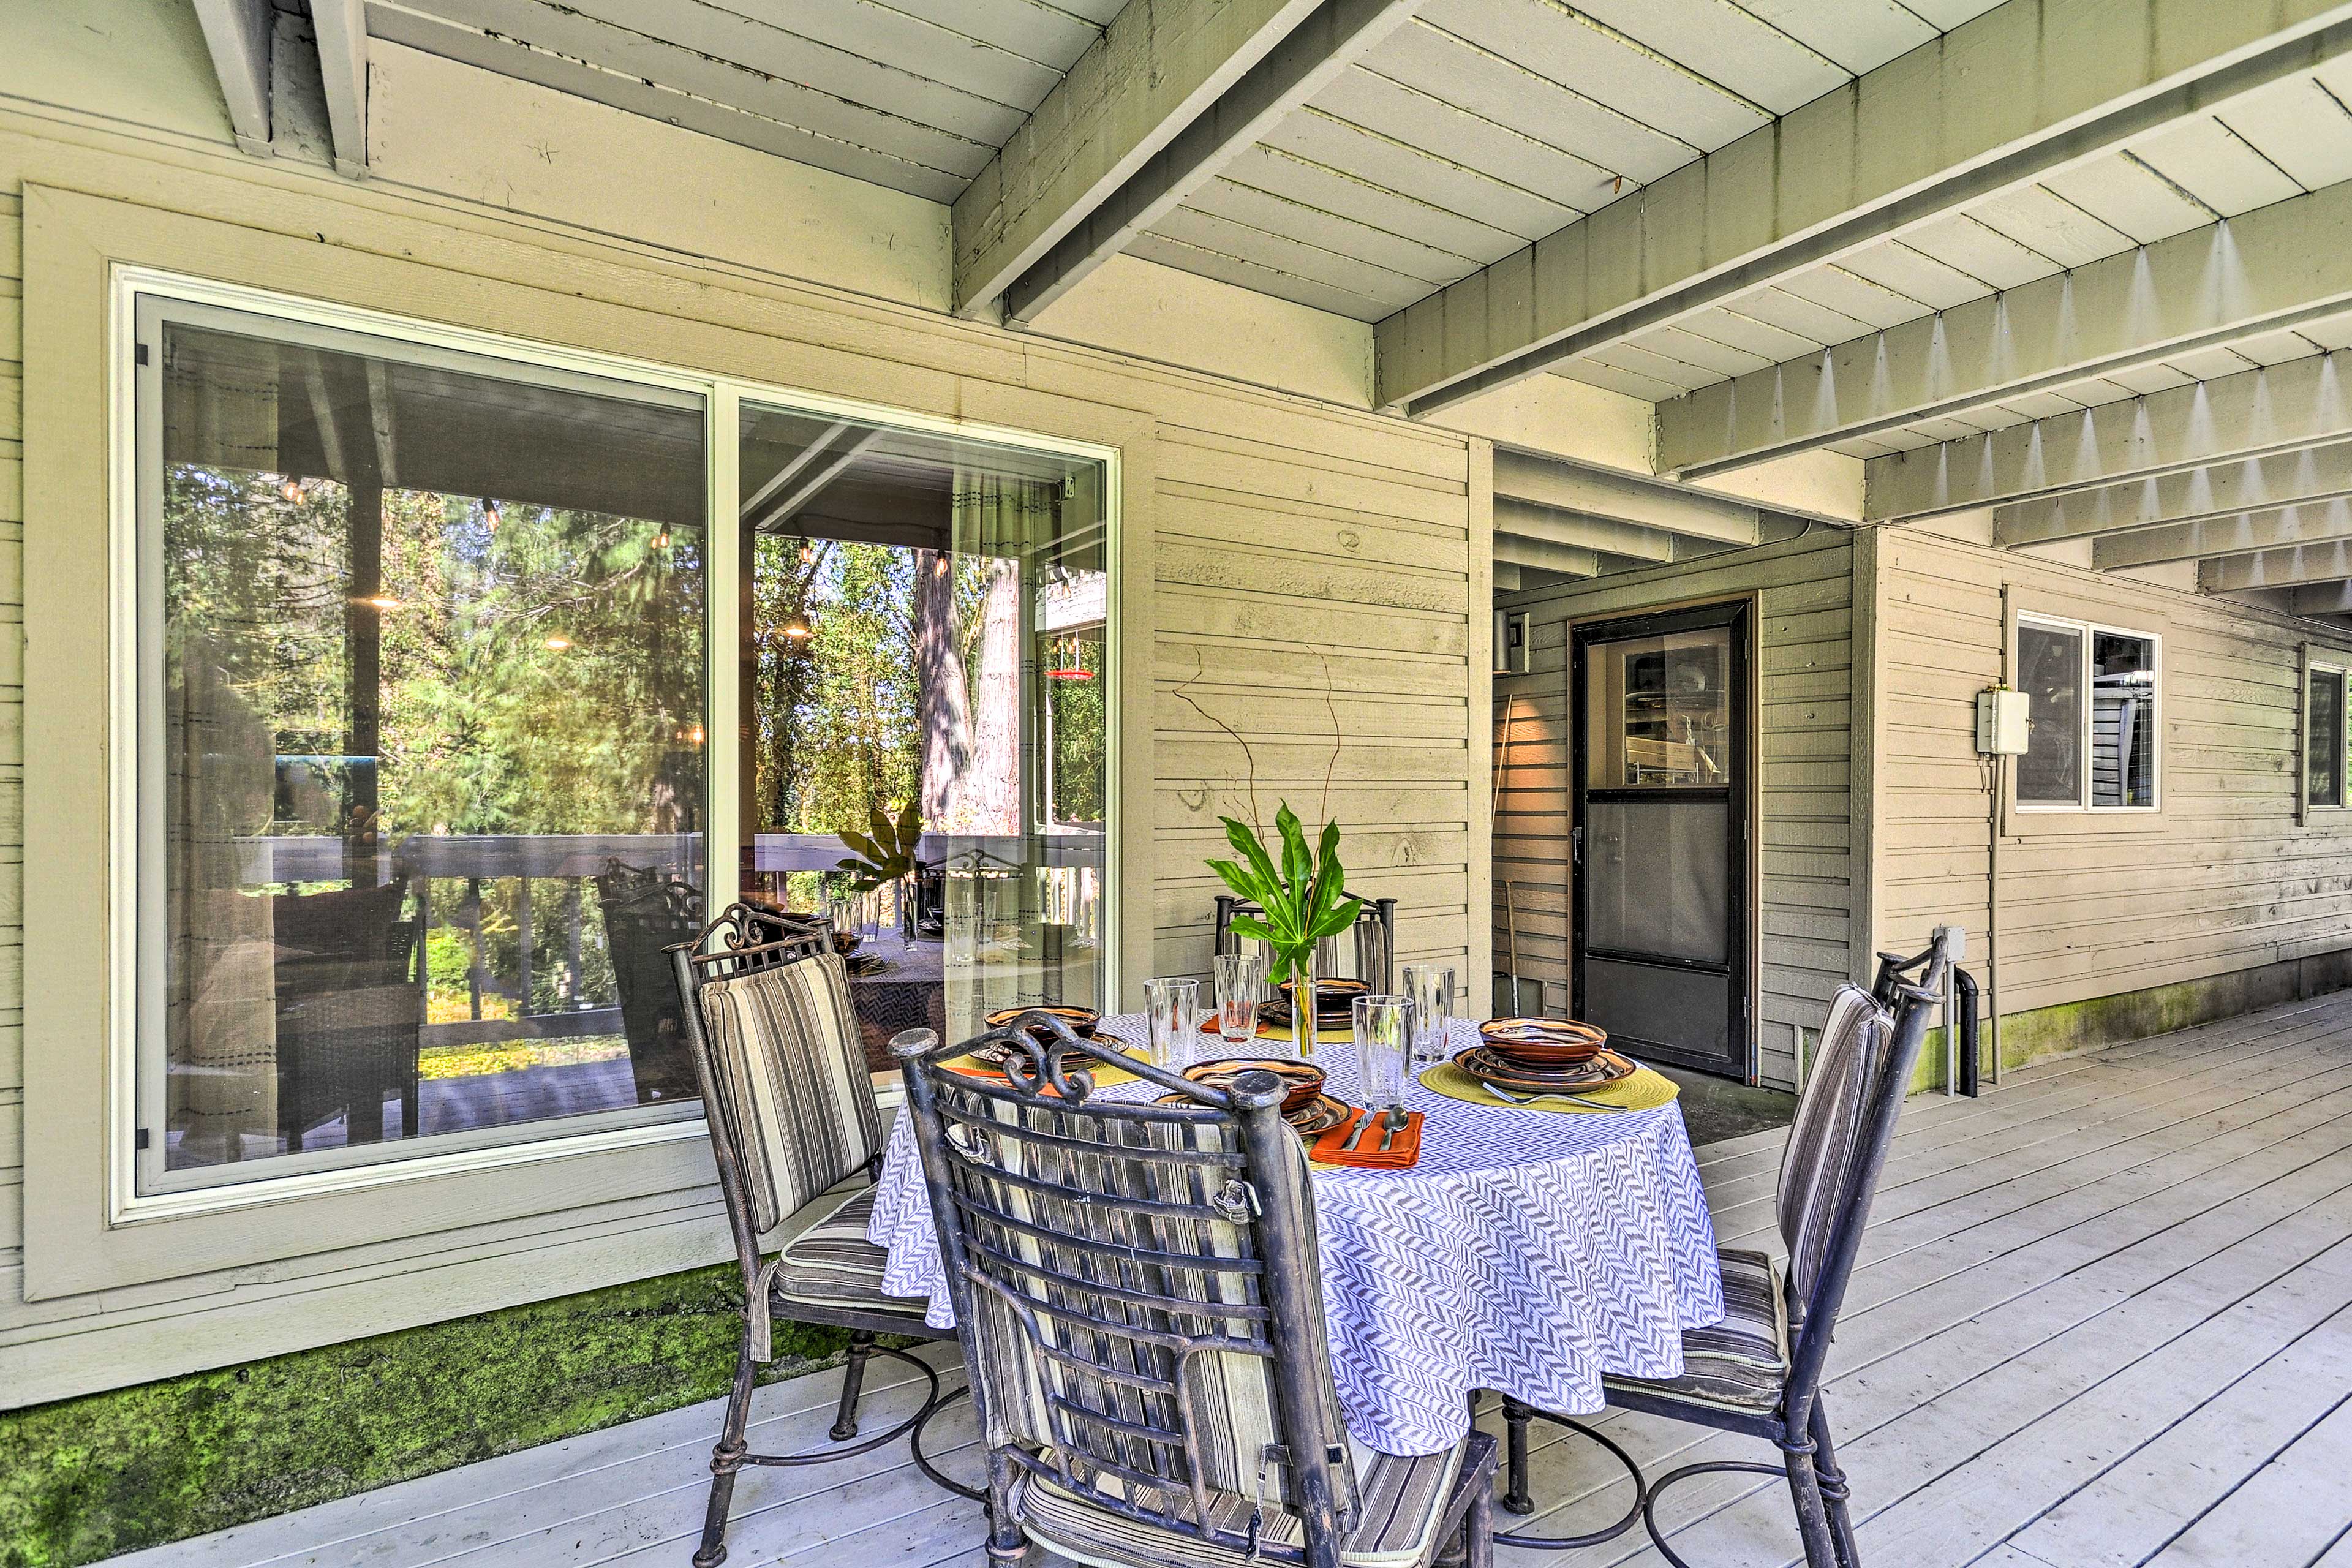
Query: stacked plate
x: 1335, y: 1003
x: 1081, y: 1020
x: 1310, y: 1110
x: 1539, y: 1056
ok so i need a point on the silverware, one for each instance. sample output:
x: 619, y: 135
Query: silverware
x: 1392, y: 1121
x: 1356, y: 1139
x: 1504, y: 1094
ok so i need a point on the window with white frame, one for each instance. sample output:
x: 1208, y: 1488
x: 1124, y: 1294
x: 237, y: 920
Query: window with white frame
x: 428, y: 736
x: 2092, y: 744
x: 2322, y: 736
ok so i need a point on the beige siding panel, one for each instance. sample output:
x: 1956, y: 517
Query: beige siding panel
x: 2092, y: 905
x: 1804, y: 630
x: 1304, y: 577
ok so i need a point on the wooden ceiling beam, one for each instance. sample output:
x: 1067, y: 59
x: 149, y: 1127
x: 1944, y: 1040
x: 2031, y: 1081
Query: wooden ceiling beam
x: 2253, y: 414
x: 2208, y: 490
x: 2273, y: 528
x: 1631, y: 498
x: 2296, y: 567
x: 342, y: 27
x: 237, y: 34
x: 2009, y: 96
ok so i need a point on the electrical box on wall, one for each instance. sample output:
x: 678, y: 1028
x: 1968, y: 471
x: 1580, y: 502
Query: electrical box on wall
x: 1510, y: 642
x: 2003, y: 718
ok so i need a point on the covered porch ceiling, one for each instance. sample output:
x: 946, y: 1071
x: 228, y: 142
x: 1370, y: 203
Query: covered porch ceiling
x: 2079, y: 263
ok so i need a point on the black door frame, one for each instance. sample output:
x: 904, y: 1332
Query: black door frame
x: 1739, y: 795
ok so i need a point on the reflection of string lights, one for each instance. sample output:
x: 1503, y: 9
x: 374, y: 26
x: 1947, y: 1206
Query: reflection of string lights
x: 559, y: 642
x: 1069, y: 660
x: 808, y: 552
x: 661, y: 540
x: 939, y: 566
x: 491, y: 513
x: 797, y: 627
x: 383, y: 603
x: 291, y: 489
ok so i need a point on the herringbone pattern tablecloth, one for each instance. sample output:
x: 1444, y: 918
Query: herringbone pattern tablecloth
x: 1529, y: 1252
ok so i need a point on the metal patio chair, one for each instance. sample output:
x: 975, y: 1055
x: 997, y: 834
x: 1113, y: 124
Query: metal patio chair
x: 797, y: 1138
x: 1366, y: 952
x: 1140, y: 1299
x: 1760, y: 1371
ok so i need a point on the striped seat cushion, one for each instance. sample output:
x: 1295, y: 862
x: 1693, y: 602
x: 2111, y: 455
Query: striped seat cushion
x: 1742, y: 1363
x: 791, y: 1068
x: 1815, y: 1168
x: 826, y: 1260
x: 1403, y: 1504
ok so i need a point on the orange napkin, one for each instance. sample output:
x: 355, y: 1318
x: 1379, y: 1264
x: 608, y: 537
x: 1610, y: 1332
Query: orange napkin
x: 1404, y: 1150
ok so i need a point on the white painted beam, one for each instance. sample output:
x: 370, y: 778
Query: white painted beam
x: 1507, y: 577
x: 2275, y: 267
x: 2024, y: 89
x: 1525, y: 519
x: 2320, y: 600
x: 236, y: 33
x: 1565, y: 559
x: 1638, y: 499
x: 2254, y: 413
x: 2272, y: 528
x: 2208, y: 490
x: 1301, y: 65
x: 342, y: 27
x: 2294, y: 567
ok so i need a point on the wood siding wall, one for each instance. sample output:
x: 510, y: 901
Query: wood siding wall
x: 2219, y: 878
x: 1314, y: 579
x: 1804, y: 674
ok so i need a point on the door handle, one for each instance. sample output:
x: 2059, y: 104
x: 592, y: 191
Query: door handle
x: 1576, y: 844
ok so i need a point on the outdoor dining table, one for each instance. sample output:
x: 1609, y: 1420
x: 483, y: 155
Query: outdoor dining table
x: 1529, y: 1252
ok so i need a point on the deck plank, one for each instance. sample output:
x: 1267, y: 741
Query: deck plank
x: 2103, y: 1316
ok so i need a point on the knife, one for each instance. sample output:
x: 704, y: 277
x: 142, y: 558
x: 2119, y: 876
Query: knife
x: 1356, y: 1139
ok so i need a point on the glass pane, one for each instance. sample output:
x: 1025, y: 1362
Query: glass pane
x: 1658, y: 710
x: 925, y: 648
x: 425, y: 728
x: 1659, y: 874
x: 2050, y: 671
x: 2123, y: 720
x: 2322, y: 754
x: 1683, y: 1007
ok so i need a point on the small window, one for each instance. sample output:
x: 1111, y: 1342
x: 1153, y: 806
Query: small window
x: 2322, y: 744
x: 2092, y: 745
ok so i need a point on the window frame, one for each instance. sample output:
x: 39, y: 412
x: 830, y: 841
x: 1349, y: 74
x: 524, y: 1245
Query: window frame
x: 2319, y: 659
x: 127, y: 873
x: 2088, y: 632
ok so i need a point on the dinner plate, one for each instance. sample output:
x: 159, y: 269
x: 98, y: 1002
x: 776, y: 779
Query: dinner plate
x: 1542, y: 1042
x: 1606, y: 1067
x: 1310, y: 1124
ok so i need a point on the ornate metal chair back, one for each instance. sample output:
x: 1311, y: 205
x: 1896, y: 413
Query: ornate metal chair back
x: 1366, y: 952
x: 1837, y: 1147
x: 774, y: 1042
x: 1136, y: 1288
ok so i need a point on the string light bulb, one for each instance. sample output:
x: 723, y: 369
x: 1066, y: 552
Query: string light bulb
x: 808, y: 552
x: 797, y: 627
x: 292, y: 488
x: 383, y: 604
x: 661, y: 540
x: 491, y: 513
x: 559, y: 642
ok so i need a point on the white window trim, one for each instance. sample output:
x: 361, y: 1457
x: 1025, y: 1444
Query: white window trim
x: 722, y: 397
x: 2087, y: 631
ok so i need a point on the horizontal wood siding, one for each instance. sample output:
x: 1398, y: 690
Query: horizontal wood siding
x: 1307, y: 577
x: 1803, y: 671
x: 2221, y: 879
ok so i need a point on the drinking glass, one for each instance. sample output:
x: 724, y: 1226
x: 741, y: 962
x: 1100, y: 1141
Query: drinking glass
x: 1383, y: 1038
x: 1175, y: 1009
x: 1239, y: 976
x: 1430, y: 986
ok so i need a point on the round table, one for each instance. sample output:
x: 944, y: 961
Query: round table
x: 1528, y: 1252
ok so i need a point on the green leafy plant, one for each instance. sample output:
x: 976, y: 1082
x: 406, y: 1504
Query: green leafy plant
x: 889, y: 853
x: 1304, y: 897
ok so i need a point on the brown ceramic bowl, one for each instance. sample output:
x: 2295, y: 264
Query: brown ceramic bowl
x: 1543, y: 1042
x: 1334, y: 999
x: 1304, y: 1080
x: 1081, y: 1020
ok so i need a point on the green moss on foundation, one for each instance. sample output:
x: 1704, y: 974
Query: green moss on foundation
x: 84, y: 1478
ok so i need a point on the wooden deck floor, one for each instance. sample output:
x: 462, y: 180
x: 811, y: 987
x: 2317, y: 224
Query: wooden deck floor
x: 2105, y: 1317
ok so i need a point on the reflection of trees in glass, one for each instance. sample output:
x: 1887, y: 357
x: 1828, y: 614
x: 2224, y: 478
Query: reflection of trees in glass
x: 1075, y: 722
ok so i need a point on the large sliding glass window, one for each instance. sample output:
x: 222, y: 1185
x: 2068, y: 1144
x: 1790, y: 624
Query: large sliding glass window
x: 426, y: 738
x: 924, y: 678
x: 420, y: 777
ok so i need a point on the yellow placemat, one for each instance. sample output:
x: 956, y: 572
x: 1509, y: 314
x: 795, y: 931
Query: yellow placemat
x: 1646, y: 1089
x: 1325, y: 1034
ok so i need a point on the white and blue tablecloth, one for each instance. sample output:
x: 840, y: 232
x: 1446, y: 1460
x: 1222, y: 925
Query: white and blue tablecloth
x: 1528, y: 1252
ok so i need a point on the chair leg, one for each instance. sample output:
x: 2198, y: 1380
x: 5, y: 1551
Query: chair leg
x: 853, y: 1383
x: 1813, y: 1517
x: 1478, y: 1532
x: 1833, y: 1491
x: 1516, y: 1498
x: 1008, y: 1543
x: 726, y: 1460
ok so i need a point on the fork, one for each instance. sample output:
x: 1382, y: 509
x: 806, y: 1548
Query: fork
x: 1555, y: 1094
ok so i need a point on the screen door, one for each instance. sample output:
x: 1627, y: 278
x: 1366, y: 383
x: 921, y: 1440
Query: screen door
x: 1660, y: 832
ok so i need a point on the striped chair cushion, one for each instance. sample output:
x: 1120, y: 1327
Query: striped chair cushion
x: 794, y: 1072
x: 1827, y: 1130
x: 1232, y: 1410
x: 1742, y: 1363
x: 826, y: 1261
x: 1403, y: 1504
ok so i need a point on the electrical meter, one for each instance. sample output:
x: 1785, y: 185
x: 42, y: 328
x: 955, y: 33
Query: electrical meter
x: 2003, y: 718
